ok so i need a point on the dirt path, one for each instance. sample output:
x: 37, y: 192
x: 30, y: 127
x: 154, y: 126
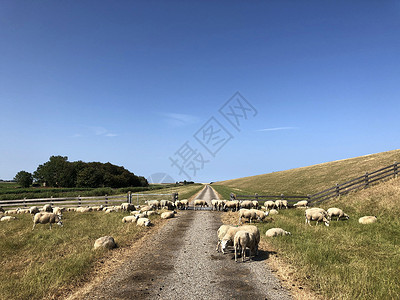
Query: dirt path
x: 180, y: 262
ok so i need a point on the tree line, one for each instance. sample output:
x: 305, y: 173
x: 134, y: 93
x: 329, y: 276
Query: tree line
x: 59, y: 172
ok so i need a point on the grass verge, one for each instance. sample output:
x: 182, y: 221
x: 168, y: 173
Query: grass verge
x: 42, y: 263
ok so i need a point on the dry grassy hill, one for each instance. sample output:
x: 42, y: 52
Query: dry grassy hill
x: 312, y: 179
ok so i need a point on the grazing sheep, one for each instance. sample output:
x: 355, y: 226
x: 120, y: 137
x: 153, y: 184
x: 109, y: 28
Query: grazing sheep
x: 127, y: 207
x: 367, y: 220
x: 316, y: 214
x: 178, y: 204
x: 130, y: 219
x: 222, y: 230
x: 232, y: 204
x: 285, y: 204
x: 248, y: 214
x: 227, y: 240
x: 243, y: 240
x: 301, y: 204
x: 276, y: 232
x: 269, y: 204
x: 185, y: 203
x: 279, y: 204
x: 46, y: 217
x: 168, y: 215
x: 143, y: 222
x: 47, y: 208
x: 7, y: 218
x: 200, y: 203
x: 336, y: 212
x: 260, y: 214
x: 273, y: 212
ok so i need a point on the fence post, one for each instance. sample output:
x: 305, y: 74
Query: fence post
x: 256, y: 196
x: 51, y: 200
x: 137, y: 199
x: 79, y: 200
x: 366, y: 180
x: 395, y: 169
x: 233, y: 196
x: 129, y: 197
x: 106, y: 198
x: 282, y: 196
x: 337, y: 190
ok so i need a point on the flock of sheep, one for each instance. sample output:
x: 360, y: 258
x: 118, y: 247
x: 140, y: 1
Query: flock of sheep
x: 248, y: 236
x: 139, y: 214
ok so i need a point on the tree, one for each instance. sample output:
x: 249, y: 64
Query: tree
x: 24, y: 178
x: 57, y: 172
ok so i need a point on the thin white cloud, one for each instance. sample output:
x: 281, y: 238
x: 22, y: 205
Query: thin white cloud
x: 277, y: 128
x: 176, y: 120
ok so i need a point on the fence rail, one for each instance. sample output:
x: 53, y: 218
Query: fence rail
x: 363, y: 181
x: 80, y: 201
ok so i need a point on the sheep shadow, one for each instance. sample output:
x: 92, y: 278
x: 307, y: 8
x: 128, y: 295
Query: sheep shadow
x: 262, y: 255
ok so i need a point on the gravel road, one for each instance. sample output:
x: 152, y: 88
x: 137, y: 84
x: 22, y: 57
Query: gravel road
x: 180, y: 262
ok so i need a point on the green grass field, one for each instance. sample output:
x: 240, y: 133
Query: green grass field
x: 312, y: 179
x: 42, y: 263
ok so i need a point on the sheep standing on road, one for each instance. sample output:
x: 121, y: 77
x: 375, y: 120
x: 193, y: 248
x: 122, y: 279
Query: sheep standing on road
x: 243, y: 240
x: 228, y: 238
x: 185, y: 203
x: 46, y: 217
x: 336, y: 212
x: 232, y: 204
x: 200, y: 203
x: 222, y: 230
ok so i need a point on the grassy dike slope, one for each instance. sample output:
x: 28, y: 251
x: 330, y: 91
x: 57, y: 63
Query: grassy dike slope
x: 311, y: 179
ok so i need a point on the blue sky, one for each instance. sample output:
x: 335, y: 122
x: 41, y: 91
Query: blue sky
x: 130, y: 82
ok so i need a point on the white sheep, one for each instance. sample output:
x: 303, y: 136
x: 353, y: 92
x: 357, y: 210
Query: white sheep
x: 47, y: 208
x: 228, y: 238
x: 336, y: 212
x: 166, y: 203
x: 168, y: 215
x: 221, y: 204
x: 185, y: 203
x: 58, y: 210
x: 201, y: 203
x: 127, y: 207
x: 232, y: 204
x: 222, y: 230
x: 149, y: 213
x: 7, y: 218
x: 153, y: 203
x: 269, y: 204
x: 246, y: 204
x: 260, y: 214
x: 276, y: 232
x: 243, y: 240
x: 316, y: 214
x: 83, y: 209
x: 146, y: 208
x: 130, y: 219
x: 255, y: 204
x: 143, y: 222
x: 214, y: 204
x: 248, y: 214
x: 273, y: 212
x: 34, y: 210
x: 301, y: 204
x: 46, y: 217
x: 367, y: 220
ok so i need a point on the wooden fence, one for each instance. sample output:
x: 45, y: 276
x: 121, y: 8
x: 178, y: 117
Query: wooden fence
x: 363, y: 181
x: 87, y: 201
